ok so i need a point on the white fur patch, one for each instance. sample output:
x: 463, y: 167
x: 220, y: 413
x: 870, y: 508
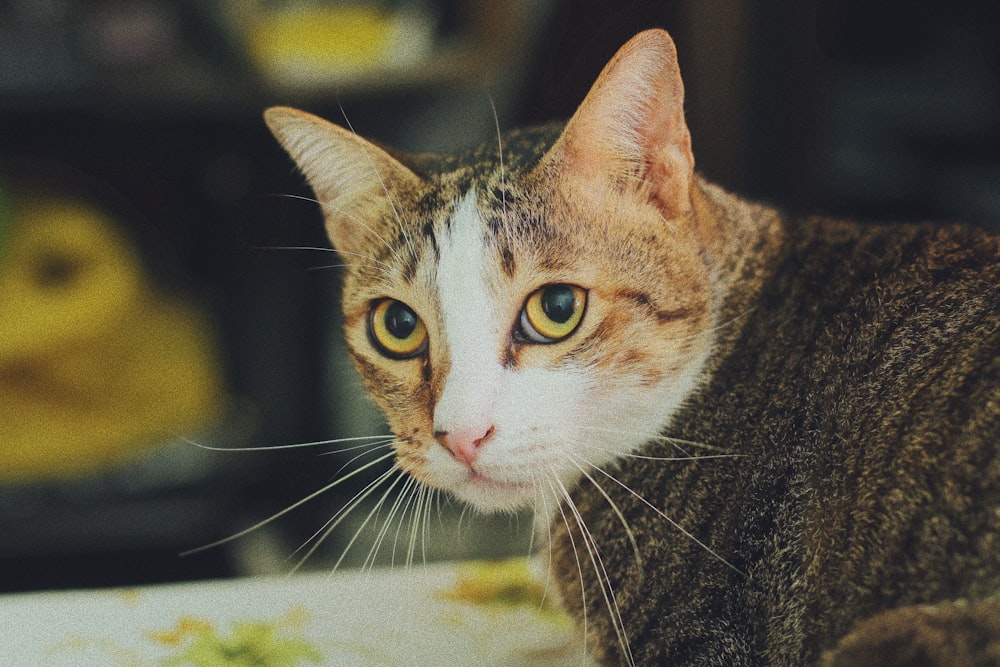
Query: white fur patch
x: 529, y: 409
x: 468, y: 311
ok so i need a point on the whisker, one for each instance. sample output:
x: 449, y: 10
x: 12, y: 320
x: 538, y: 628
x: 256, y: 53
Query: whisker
x: 344, y: 214
x: 400, y: 475
x: 503, y: 177
x: 401, y: 499
x: 388, y: 444
x: 317, y: 538
x: 438, y: 505
x: 400, y: 221
x: 673, y: 523
x: 328, y: 267
x: 415, y: 524
x: 677, y: 443
x: 288, y: 195
x: 543, y: 499
x: 293, y: 248
x: 431, y: 506
x: 360, y: 223
x: 695, y: 457
x: 720, y: 326
x: 293, y: 506
x: 411, y: 494
x: 553, y: 480
x: 421, y: 516
x: 298, y: 445
x: 669, y: 225
x: 403, y: 504
x: 603, y: 579
x: 461, y: 517
x: 614, y: 508
x: 371, y: 262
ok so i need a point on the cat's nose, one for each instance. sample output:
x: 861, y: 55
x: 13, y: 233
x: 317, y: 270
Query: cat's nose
x: 464, y: 444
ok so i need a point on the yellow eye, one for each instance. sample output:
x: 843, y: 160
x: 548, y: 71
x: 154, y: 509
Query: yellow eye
x: 396, y: 330
x: 553, y: 313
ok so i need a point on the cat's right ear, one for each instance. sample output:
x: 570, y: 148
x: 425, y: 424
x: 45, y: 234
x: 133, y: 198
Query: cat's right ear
x: 356, y: 182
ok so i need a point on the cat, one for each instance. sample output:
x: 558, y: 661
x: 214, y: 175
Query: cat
x: 748, y: 439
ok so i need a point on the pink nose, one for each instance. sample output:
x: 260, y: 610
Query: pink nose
x: 464, y: 444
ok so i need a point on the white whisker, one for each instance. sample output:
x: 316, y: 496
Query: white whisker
x: 304, y: 248
x: 400, y: 221
x: 325, y: 206
x: 384, y: 268
x: 317, y: 538
x: 543, y: 499
x: 365, y: 452
x: 293, y: 506
x: 614, y: 508
x: 378, y: 505
x: 673, y: 523
x: 417, y: 521
x: 695, y: 457
x: 503, y: 177
x: 720, y: 326
x: 603, y: 579
x: 677, y: 443
x: 298, y: 445
x: 434, y: 501
x: 371, y: 261
x: 360, y: 223
x: 398, y: 507
x: 553, y: 480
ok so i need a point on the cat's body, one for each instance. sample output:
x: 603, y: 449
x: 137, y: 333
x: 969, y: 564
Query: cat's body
x: 551, y: 320
x: 862, y: 392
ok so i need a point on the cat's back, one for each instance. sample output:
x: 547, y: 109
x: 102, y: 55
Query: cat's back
x: 865, y: 394
x: 897, y: 404
x: 887, y: 310
x: 862, y: 399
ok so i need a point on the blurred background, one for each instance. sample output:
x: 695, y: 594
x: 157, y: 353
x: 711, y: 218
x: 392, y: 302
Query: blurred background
x: 150, y: 307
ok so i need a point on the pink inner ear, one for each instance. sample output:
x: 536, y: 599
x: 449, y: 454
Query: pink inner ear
x: 631, y: 125
x: 670, y: 172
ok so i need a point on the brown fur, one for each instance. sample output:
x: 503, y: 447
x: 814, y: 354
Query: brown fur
x: 863, y: 391
x: 852, y: 370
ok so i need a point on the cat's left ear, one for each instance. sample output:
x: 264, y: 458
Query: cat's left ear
x: 630, y: 129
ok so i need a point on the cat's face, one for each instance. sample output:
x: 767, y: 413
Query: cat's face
x: 527, y: 316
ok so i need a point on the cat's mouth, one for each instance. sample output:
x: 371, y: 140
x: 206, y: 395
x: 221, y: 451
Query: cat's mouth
x: 491, y: 493
x: 486, y: 482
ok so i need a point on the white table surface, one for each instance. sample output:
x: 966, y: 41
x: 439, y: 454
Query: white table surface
x: 385, y: 617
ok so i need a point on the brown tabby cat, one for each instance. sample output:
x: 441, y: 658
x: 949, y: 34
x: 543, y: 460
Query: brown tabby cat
x: 749, y: 439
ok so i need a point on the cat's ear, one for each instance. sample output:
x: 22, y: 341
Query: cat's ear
x: 355, y: 181
x: 630, y: 130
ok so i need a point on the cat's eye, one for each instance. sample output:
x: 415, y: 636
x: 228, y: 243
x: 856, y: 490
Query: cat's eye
x: 396, y: 330
x: 553, y: 312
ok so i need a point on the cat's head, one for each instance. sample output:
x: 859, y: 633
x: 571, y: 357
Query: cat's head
x: 535, y: 308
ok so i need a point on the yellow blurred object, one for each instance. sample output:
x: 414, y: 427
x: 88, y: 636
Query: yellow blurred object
x: 95, y: 367
x: 315, y: 45
x: 324, y: 37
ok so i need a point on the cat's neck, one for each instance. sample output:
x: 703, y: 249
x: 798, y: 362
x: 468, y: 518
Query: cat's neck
x: 740, y: 239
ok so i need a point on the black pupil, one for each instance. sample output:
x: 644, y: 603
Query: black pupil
x: 558, y: 303
x: 400, y: 321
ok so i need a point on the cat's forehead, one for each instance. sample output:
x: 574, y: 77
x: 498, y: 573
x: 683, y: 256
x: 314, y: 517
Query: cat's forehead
x: 510, y: 155
x: 481, y: 194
